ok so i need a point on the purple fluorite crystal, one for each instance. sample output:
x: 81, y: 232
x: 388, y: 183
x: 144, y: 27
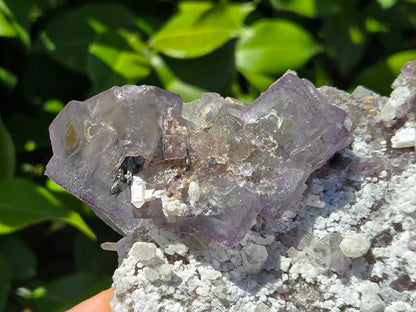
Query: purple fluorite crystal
x: 208, y: 166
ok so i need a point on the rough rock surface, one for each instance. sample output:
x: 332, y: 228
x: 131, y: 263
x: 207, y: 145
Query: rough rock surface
x: 294, y: 263
x: 209, y: 166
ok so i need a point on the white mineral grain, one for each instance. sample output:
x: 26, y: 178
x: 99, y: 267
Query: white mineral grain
x: 254, y: 256
x: 396, y: 105
x: 399, y: 306
x: 176, y: 248
x: 355, y: 245
x: 146, y: 253
x: 138, y: 190
x: 404, y: 137
x: 412, y: 237
x: 371, y: 303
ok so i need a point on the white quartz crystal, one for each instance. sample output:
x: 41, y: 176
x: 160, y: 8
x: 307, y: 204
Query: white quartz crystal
x: 355, y: 245
x: 404, y: 137
x: 138, y: 191
x: 173, y: 208
x: 254, y: 256
x: 194, y: 192
x: 146, y: 253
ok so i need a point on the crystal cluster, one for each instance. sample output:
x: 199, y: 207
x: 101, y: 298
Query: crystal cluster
x: 209, y: 166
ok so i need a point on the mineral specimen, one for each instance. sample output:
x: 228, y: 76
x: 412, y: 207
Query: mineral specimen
x: 208, y: 166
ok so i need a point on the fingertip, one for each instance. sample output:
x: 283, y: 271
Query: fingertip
x: 99, y: 303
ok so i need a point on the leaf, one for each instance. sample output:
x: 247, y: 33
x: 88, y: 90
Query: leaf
x: 199, y: 28
x: 24, y: 203
x: 67, y: 291
x: 113, y: 62
x: 379, y: 77
x: 345, y: 36
x: 15, y: 19
x: 5, y: 281
x: 216, y: 70
x: 7, y: 153
x: 8, y: 78
x: 271, y: 46
x: 86, y: 252
x: 302, y: 7
x: 172, y: 83
x: 22, y: 260
x: 260, y: 81
x: 309, y: 8
x: 67, y: 37
x: 397, y: 60
x: 38, y: 131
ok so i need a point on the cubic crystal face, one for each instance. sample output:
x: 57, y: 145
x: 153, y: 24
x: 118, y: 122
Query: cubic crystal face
x: 208, y: 166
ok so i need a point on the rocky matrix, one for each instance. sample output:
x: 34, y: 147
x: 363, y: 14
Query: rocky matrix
x: 348, y: 245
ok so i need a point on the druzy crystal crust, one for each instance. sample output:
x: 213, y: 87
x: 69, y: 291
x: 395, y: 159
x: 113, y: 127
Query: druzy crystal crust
x: 208, y: 166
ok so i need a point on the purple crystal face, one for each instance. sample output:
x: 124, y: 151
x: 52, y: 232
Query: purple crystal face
x: 208, y: 166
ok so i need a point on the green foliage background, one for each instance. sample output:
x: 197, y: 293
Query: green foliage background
x: 52, y: 51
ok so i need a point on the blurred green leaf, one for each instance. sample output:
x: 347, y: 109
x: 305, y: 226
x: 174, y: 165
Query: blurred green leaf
x: 374, y: 26
x: 273, y: 46
x: 386, y: 4
x: 69, y: 290
x: 53, y: 106
x: 66, y: 37
x: 397, y: 60
x: 24, y: 203
x: 15, y: 19
x: 346, y: 37
x: 8, y: 78
x: 112, y: 62
x: 22, y: 260
x: 86, y: 253
x: 172, y: 83
x: 5, y: 281
x: 38, y: 131
x: 7, y: 153
x: 309, y: 8
x: 199, y: 28
x: 41, y: 79
x: 259, y: 80
x: 302, y: 7
x: 379, y: 77
x: 216, y: 70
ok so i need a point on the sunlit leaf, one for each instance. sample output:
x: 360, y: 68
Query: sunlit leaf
x: 24, y: 203
x: 15, y: 19
x: 199, y: 28
x: 7, y: 153
x: 113, y: 62
x: 259, y: 80
x: 67, y: 37
x: 53, y: 106
x: 386, y: 4
x: 302, y: 7
x: 397, y: 60
x: 273, y: 46
x: 172, y: 83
